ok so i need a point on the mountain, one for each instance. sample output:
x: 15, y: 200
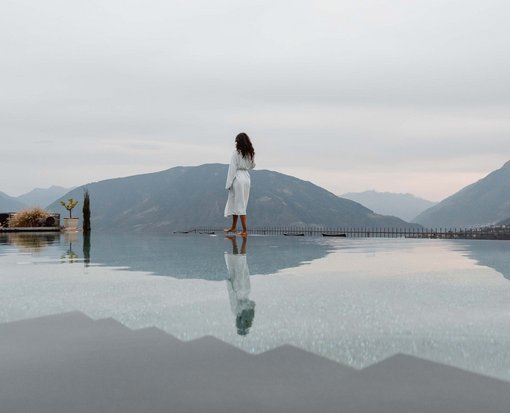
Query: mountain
x: 488, y: 254
x: 9, y: 203
x: 189, y: 197
x: 43, y: 196
x: 504, y: 222
x: 404, y: 206
x: 482, y: 203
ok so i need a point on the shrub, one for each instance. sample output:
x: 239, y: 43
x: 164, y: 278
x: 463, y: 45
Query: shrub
x: 30, y: 217
x: 31, y: 242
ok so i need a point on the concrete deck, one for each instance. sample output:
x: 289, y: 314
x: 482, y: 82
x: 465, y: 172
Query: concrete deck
x: 71, y: 363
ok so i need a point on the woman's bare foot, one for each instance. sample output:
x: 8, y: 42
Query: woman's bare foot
x: 229, y: 230
x: 243, y: 234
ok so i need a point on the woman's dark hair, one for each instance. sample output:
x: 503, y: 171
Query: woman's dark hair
x: 244, y: 321
x: 244, y: 146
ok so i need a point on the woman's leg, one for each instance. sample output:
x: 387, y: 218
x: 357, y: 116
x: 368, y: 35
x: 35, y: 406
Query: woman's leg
x: 234, y: 224
x: 243, y: 222
x: 244, y: 246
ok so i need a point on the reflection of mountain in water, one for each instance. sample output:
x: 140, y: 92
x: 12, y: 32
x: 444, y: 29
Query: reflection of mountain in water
x: 494, y: 254
x: 194, y: 256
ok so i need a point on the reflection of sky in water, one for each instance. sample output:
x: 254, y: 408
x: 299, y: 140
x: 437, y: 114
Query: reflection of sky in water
x: 352, y: 300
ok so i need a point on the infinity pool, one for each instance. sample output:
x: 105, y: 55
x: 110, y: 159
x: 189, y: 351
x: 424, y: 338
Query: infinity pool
x: 356, y: 301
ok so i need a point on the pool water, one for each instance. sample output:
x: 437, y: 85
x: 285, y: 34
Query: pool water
x: 356, y: 301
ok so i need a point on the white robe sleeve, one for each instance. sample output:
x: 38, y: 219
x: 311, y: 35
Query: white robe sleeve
x: 232, y: 170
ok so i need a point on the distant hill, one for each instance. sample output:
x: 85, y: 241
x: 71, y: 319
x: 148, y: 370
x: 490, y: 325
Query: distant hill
x: 9, y: 203
x: 43, y: 196
x: 189, y: 197
x: 504, y: 222
x: 484, y: 202
x: 404, y: 206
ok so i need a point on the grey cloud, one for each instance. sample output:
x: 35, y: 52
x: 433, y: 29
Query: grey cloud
x: 344, y: 84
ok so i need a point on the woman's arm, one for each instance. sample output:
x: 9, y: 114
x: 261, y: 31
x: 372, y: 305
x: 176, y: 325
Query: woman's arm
x: 232, y: 170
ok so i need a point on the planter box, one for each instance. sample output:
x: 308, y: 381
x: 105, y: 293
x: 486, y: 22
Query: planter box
x: 71, y: 224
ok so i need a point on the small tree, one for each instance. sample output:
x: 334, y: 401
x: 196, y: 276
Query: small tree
x: 69, y: 205
x: 86, y: 212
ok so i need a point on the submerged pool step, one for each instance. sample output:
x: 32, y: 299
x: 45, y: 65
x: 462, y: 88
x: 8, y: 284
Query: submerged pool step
x: 72, y: 363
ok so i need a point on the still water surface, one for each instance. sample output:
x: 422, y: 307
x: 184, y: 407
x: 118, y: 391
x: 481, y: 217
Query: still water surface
x: 356, y: 301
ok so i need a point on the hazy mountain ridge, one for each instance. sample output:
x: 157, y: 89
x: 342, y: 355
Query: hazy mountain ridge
x: 404, y: 206
x: 189, y: 197
x: 9, y: 203
x: 504, y: 222
x: 43, y: 196
x: 40, y: 197
x: 484, y: 202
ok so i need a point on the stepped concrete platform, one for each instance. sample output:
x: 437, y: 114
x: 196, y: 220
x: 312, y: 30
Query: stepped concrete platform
x: 71, y: 363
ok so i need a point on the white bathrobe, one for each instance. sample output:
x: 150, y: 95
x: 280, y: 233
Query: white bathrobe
x: 238, y: 184
x: 238, y: 283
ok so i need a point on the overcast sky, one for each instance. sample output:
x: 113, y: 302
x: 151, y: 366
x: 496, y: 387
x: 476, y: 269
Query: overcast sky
x: 398, y: 95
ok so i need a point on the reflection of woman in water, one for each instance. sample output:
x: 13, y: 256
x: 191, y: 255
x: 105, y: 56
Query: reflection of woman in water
x: 238, y: 285
x: 238, y: 182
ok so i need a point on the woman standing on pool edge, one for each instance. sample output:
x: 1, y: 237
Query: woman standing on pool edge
x: 238, y: 182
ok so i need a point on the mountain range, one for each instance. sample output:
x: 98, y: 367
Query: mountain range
x: 37, y: 197
x: 404, y: 206
x: 189, y: 197
x: 9, y: 203
x: 504, y: 222
x: 184, y: 198
x: 43, y: 196
x: 485, y: 202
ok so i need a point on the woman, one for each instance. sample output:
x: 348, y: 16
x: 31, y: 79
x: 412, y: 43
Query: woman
x: 238, y: 286
x: 238, y: 182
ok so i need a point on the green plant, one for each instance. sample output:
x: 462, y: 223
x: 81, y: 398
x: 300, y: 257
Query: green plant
x: 86, y: 212
x: 69, y: 205
x: 31, y: 242
x: 30, y: 217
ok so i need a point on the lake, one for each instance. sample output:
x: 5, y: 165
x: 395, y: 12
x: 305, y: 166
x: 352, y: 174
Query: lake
x: 356, y: 301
